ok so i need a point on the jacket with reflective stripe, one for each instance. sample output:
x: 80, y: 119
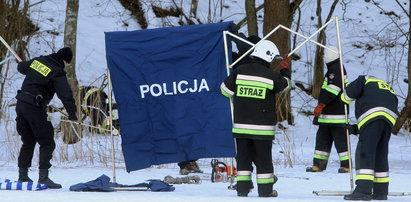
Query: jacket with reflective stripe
x: 333, y: 112
x: 253, y: 87
x: 374, y: 98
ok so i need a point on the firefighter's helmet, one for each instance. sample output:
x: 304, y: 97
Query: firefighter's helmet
x: 330, y: 56
x: 265, y: 50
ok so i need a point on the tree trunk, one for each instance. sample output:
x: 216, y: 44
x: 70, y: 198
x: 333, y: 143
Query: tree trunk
x: 319, y: 52
x: 275, y: 13
x: 251, y: 14
x: 405, y: 112
x: 70, y: 39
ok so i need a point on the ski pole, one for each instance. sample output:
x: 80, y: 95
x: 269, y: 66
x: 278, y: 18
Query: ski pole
x: 10, y: 49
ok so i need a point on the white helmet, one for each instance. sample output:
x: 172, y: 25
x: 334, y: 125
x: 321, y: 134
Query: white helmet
x: 265, y: 50
x: 330, y: 56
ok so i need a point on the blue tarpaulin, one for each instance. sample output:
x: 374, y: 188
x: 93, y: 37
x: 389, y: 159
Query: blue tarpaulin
x: 166, y: 83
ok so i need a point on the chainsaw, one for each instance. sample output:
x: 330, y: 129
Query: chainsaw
x: 221, y: 172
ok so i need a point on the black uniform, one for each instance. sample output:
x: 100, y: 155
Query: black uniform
x: 253, y: 87
x: 331, y: 119
x: 45, y: 76
x: 376, y: 111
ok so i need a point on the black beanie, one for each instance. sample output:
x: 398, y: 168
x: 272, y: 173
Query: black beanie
x: 65, y: 54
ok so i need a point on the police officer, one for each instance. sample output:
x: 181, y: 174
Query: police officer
x: 376, y: 109
x: 330, y: 116
x: 45, y: 76
x: 253, y: 87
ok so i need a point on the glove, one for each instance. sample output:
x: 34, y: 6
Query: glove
x: 233, y: 28
x: 352, y: 129
x: 285, y: 62
x: 319, y: 109
x: 72, y: 117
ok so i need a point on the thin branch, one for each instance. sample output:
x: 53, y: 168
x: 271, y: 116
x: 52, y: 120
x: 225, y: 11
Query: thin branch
x: 403, y: 9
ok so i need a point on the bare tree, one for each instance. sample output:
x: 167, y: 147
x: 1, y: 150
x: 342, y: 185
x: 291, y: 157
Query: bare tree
x: 406, y: 111
x: 275, y: 13
x: 251, y: 16
x: 319, y: 51
x: 70, y: 39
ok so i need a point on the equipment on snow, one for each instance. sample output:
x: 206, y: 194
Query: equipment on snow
x: 342, y: 193
x: 182, y: 180
x: 220, y: 172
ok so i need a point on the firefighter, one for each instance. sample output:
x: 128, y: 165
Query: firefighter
x: 376, y: 109
x: 44, y: 76
x: 329, y: 114
x: 253, y: 87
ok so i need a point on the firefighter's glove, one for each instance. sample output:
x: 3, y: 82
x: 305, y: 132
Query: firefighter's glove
x: 319, y: 109
x: 352, y: 129
x: 72, y: 117
x: 285, y: 62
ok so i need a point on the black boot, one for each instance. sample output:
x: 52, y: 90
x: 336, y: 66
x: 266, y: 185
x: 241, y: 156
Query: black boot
x: 24, y: 175
x: 44, y: 179
x: 358, y: 197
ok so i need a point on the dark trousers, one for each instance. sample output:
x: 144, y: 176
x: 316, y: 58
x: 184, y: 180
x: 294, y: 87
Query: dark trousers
x: 258, y: 152
x: 372, y: 154
x: 33, y: 127
x: 326, y: 135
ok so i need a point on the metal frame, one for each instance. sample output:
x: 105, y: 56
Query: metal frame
x: 307, y: 39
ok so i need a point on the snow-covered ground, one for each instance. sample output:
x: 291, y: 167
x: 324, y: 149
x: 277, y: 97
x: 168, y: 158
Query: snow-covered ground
x: 99, y: 16
x: 294, y: 185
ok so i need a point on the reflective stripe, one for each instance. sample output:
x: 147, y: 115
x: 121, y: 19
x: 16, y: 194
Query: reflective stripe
x: 381, y: 174
x: 331, y: 88
x: 86, y: 96
x: 255, y: 78
x: 265, y: 175
x: 253, y: 132
x: 318, y: 156
x: 225, y: 91
x: 345, y: 98
x: 265, y: 181
x: 252, y: 126
x: 253, y: 83
x: 374, y: 112
x: 243, y: 177
x: 322, y: 153
x: 381, y: 84
x: 343, y: 156
x: 365, y: 171
x: 381, y: 179
x: 243, y: 172
x: 371, y: 79
x: 365, y: 177
x: 289, y: 85
x: 265, y: 178
x: 331, y: 118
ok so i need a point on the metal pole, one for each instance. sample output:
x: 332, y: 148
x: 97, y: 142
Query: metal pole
x: 113, y: 156
x: 231, y: 105
x: 345, y: 105
x: 309, y: 38
x: 10, y: 49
